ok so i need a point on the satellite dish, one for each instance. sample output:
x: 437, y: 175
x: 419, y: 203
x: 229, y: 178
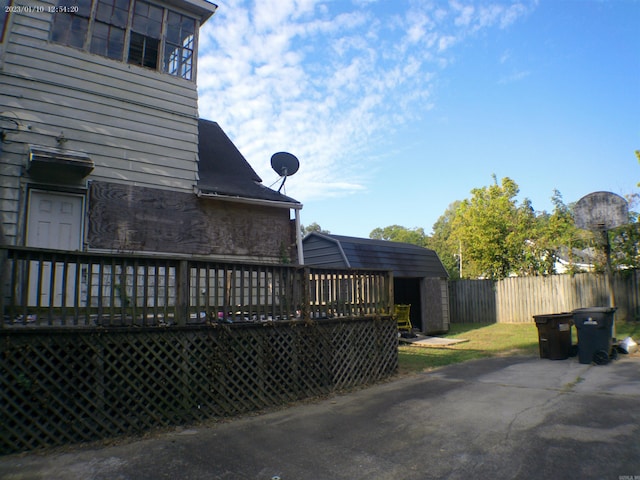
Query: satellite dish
x: 601, y: 211
x: 285, y: 165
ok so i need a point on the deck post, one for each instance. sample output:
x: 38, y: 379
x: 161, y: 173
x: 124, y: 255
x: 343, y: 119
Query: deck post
x: 182, y: 292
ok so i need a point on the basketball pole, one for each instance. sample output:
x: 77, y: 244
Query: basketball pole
x: 608, y: 271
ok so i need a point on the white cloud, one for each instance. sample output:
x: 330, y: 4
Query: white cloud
x: 514, y: 77
x: 327, y: 80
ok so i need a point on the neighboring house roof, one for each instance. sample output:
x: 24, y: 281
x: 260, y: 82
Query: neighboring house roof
x: 582, y: 259
x: 224, y: 171
x: 404, y: 259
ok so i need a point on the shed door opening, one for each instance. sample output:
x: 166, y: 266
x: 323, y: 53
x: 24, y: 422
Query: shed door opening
x: 407, y: 291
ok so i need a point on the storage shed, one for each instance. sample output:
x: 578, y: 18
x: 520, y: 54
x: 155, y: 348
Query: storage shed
x: 420, y: 279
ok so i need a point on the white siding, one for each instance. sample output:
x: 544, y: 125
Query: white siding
x: 139, y: 126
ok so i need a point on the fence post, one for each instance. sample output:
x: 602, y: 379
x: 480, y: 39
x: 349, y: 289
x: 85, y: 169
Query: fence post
x: 182, y: 292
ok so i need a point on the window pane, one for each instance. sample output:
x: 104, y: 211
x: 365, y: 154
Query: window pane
x: 122, y: 5
x: 110, y: 12
x: 107, y: 40
x: 72, y: 32
x: 60, y: 29
x: 173, y: 27
x: 147, y: 19
x: 99, y: 39
x: 4, y: 17
x: 71, y: 28
x: 178, y: 58
x: 84, y: 7
x: 151, y: 52
x: 143, y: 51
x: 136, y: 47
x: 188, y: 26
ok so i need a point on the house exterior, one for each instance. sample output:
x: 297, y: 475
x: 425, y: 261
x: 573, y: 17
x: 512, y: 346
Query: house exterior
x: 102, y: 146
x: 419, y: 278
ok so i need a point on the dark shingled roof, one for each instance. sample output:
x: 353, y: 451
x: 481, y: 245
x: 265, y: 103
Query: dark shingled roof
x: 404, y: 259
x: 224, y: 171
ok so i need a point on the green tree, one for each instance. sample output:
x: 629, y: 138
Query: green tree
x: 625, y: 240
x: 558, y: 237
x: 398, y: 233
x: 491, y: 229
x: 313, y: 227
x: 444, y: 244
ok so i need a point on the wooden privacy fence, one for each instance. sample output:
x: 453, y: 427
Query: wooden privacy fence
x: 518, y: 299
x: 95, y: 345
x: 64, y: 385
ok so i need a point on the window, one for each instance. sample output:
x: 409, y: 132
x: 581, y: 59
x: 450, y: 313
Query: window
x: 178, y: 58
x: 146, y: 33
x: 133, y: 31
x: 71, y: 28
x: 110, y: 27
x: 4, y: 17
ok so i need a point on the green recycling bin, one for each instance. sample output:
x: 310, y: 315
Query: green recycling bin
x: 554, y: 335
x: 595, y: 334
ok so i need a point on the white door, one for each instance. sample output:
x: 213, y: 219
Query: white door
x: 54, y: 221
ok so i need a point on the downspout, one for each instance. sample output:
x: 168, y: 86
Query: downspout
x: 299, y: 238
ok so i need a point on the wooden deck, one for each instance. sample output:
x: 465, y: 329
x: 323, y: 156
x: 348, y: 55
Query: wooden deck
x: 59, y: 288
x: 94, y: 346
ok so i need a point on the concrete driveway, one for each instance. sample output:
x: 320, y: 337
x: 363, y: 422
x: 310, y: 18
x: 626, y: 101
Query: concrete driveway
x: 500, y: 418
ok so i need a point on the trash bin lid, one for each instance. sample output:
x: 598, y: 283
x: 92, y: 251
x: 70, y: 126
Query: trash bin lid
x: 595, y: 310
x: 544, y: 318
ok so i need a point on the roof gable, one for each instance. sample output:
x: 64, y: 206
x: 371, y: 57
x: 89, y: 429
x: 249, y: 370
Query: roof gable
x: 224, y: 171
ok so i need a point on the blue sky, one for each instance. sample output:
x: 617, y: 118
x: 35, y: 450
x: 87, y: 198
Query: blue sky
x: 396, y: 109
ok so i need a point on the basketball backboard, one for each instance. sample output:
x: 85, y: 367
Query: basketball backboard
x: 601, y: 211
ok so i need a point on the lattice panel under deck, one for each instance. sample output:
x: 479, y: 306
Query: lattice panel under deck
x: 60, y: 386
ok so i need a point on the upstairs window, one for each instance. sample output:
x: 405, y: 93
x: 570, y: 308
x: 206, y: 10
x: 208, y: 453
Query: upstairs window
x: 133, y: 31
x: 146, y: 34
x: 71, y: 28
x: 4, y: 17
x: 178, y: 57
x: 110, y: 28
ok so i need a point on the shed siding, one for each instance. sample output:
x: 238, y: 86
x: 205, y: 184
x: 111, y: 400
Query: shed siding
x: 138, y: 126
x: 435, y: 305
x: 323, y: 253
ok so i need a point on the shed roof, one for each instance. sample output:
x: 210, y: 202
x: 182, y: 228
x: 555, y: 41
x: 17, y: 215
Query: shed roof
x: 224, y: 171
x: 404, y: 259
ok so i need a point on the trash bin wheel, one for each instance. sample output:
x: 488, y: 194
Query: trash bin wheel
x: 614, y: 353
x: 600, y: 357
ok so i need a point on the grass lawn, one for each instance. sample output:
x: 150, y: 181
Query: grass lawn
x: 487, y: 340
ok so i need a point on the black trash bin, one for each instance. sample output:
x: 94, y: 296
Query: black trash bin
x: 554, y: 335
x: 595, y: 334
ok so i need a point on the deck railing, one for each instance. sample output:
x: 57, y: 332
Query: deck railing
x: 146, y: 342
x: 59, y: 288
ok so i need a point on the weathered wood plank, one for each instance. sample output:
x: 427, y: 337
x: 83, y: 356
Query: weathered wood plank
x: 125, y: 218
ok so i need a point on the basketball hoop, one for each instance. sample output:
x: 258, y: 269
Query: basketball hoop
x: 601, y: 212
